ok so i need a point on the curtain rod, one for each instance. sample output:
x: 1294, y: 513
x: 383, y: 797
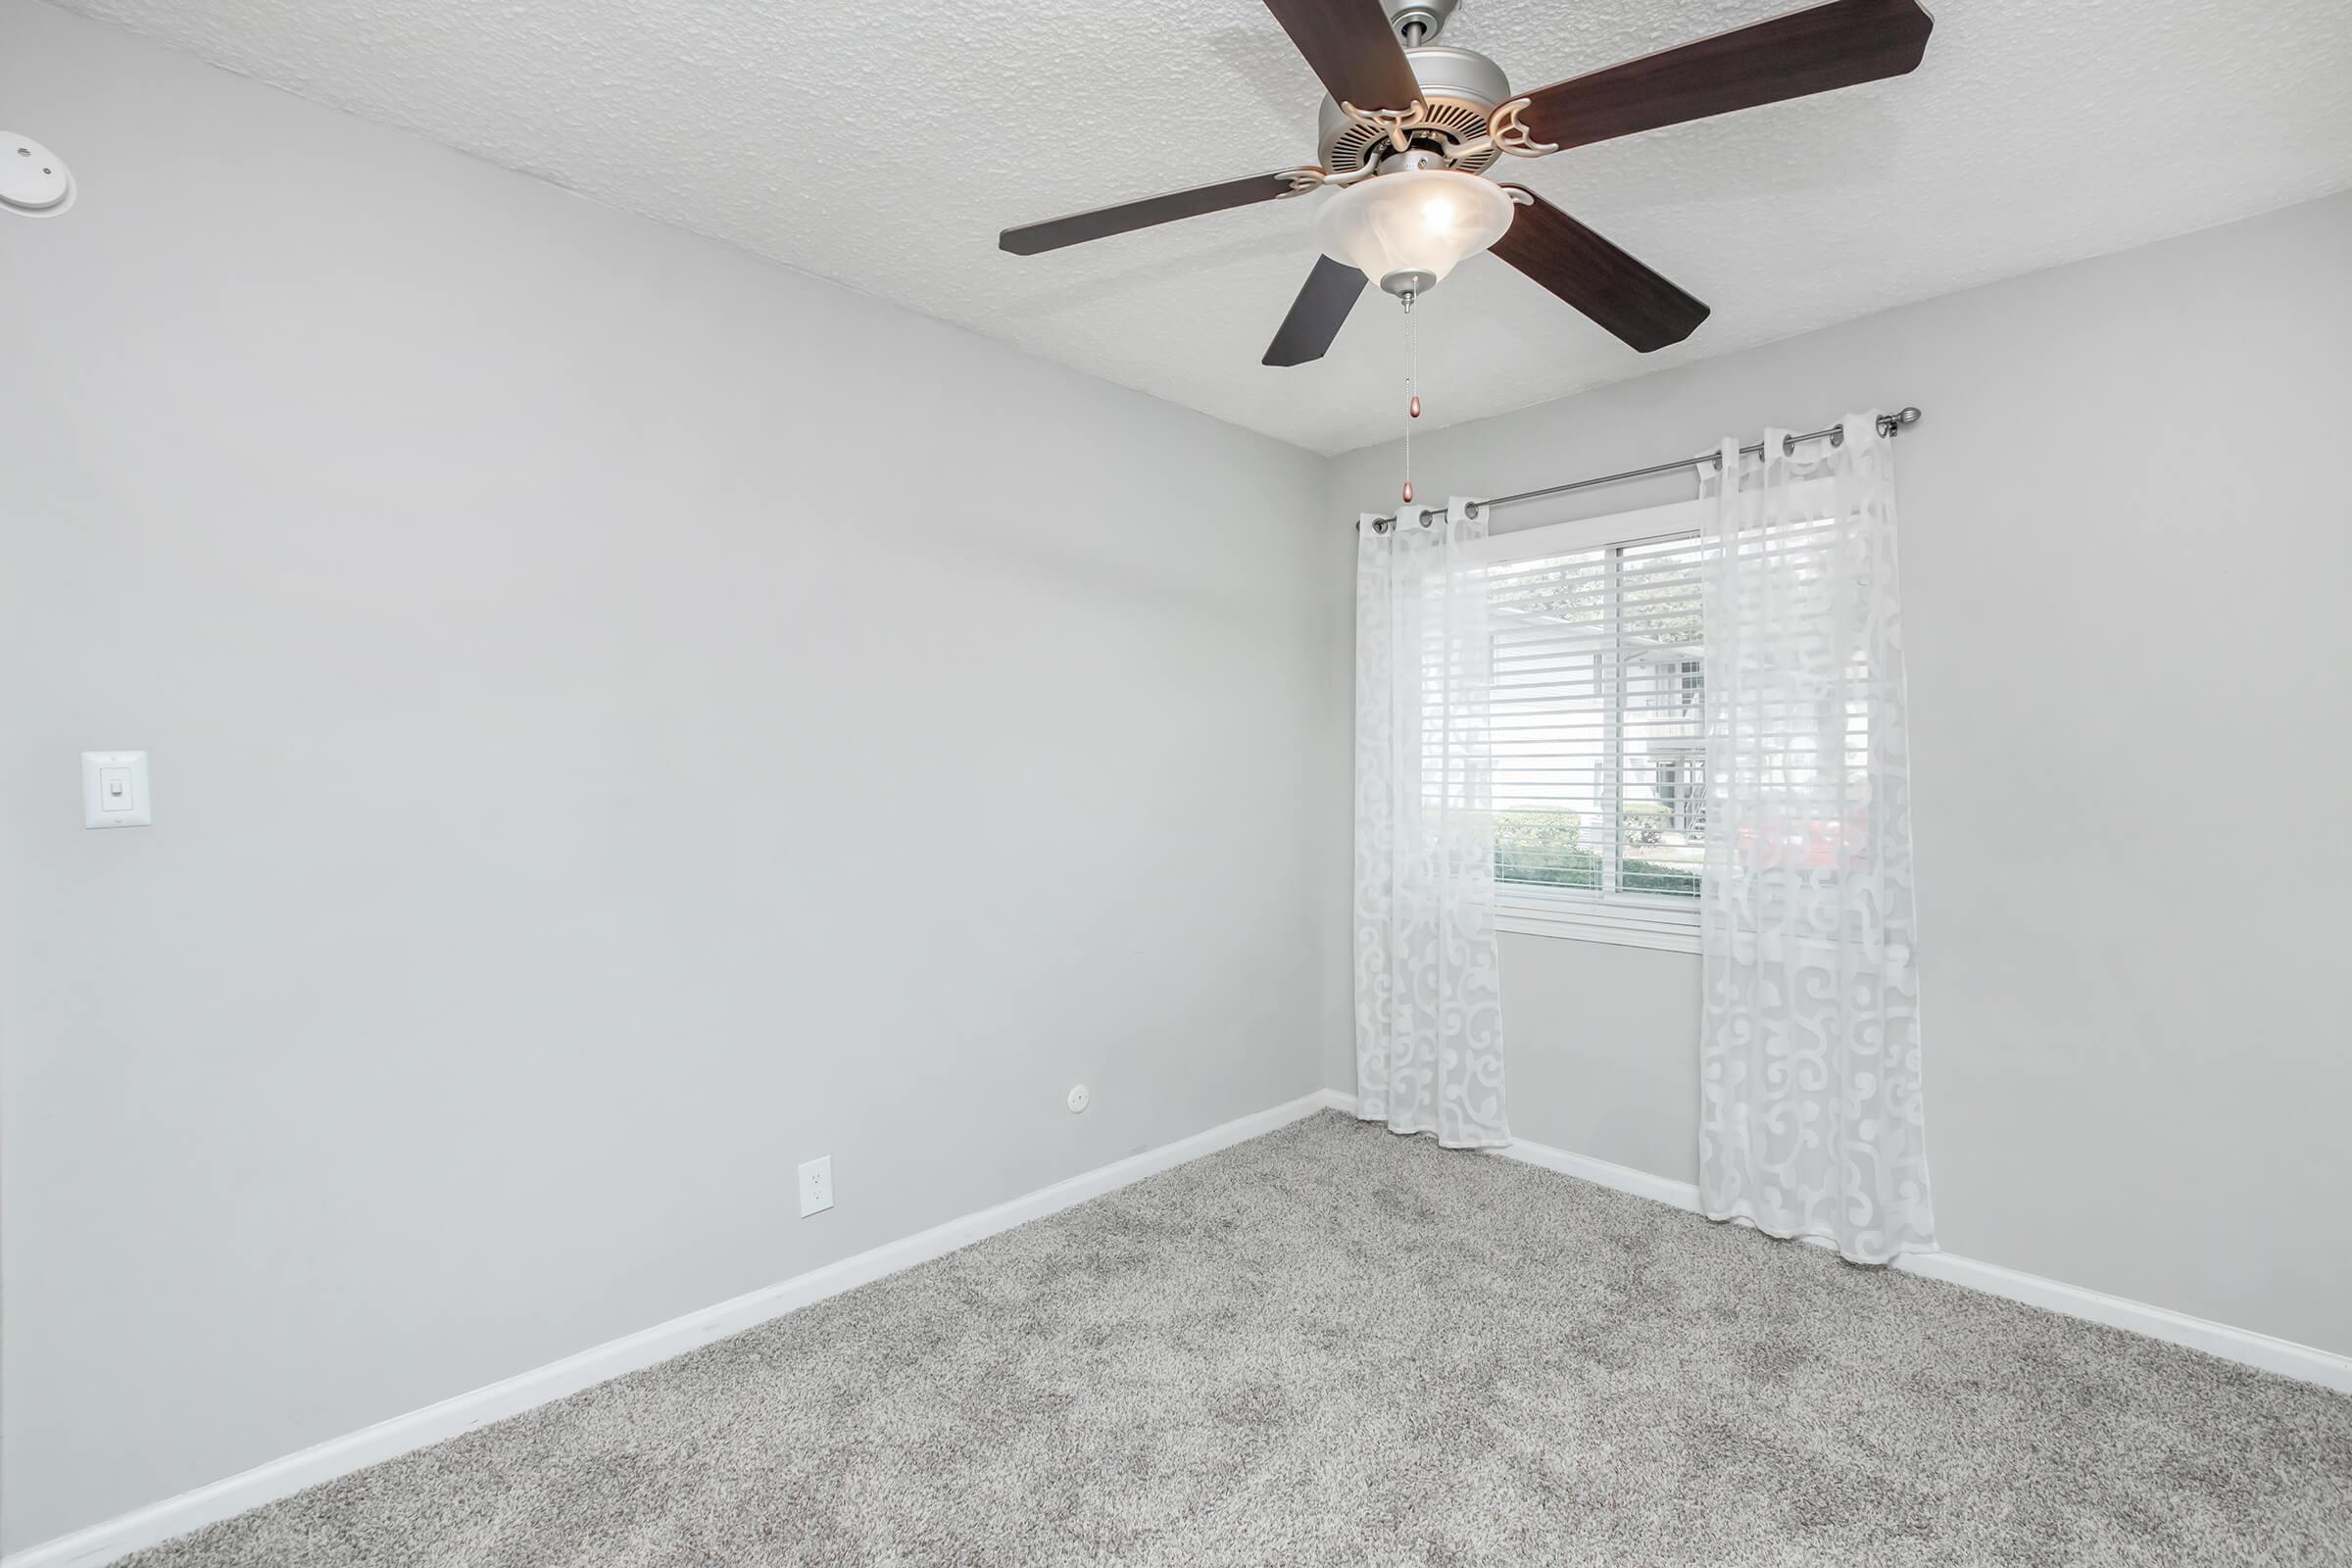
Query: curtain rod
x: 1889, y: 425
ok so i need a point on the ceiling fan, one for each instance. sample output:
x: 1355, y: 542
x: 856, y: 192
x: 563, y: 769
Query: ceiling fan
x: 1411, y: 128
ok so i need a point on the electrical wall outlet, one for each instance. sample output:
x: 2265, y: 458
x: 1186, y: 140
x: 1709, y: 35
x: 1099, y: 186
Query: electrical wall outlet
x: 816, y: 1186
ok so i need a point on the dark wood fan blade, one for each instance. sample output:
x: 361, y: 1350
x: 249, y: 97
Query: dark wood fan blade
x: 1597, y: 277
x: 1828, y: 46
x: 1348, y: 44
x: 1056, y: 233
x: 1316, y: 314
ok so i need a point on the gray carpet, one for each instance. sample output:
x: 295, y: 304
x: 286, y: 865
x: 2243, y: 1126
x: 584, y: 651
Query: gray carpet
x: 1335, y: 1346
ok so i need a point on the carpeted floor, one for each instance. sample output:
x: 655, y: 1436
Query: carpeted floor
x: 1335, y: 1346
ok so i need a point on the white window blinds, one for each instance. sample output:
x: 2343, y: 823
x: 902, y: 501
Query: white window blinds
x: 1600, y: 760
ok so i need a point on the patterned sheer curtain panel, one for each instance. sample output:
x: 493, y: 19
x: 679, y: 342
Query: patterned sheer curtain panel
x: 1810, y: 1122
x: 1428, y: 984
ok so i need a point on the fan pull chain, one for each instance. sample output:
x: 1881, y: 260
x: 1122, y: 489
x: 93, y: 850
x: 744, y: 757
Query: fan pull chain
x: 1412, y: 388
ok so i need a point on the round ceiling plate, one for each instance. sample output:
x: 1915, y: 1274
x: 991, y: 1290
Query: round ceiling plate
x: 33, y: 180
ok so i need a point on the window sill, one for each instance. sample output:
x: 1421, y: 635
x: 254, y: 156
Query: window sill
x: 1663, y: 927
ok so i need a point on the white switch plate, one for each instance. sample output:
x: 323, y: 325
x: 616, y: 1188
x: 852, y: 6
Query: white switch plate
x: 816, y: 1186
x: 114, y: 790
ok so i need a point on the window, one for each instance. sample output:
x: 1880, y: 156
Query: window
x: 1599, y: 753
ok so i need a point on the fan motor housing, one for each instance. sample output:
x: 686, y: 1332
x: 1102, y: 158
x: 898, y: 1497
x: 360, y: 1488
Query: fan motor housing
x: 1459, y: 89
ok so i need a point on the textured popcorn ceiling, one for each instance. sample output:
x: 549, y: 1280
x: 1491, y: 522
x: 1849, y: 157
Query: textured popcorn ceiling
x: 884, y: 145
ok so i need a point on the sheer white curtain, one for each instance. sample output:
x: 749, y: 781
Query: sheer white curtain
x: 1428, y: 987
x: 1809, y: 1074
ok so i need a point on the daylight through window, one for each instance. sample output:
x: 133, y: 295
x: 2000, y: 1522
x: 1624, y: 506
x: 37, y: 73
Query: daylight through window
x: 1600, y: 757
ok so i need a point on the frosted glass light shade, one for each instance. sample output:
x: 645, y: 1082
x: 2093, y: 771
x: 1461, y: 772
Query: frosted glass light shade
x: 1406, y: 230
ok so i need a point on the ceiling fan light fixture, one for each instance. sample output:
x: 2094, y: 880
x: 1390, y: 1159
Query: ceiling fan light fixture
x: 1404, y: 116
x: 1406, y: 230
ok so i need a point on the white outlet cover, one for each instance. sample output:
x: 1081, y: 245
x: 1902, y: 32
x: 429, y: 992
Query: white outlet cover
x: 33, y: 180
x: 1080, y: 1098
x: 816, y: 1186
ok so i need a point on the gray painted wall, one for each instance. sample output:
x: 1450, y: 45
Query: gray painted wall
x: 626, y: 718
x: 2127, y: 535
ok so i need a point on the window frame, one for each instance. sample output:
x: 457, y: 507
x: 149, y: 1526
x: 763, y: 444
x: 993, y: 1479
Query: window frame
x: 1617, y: 917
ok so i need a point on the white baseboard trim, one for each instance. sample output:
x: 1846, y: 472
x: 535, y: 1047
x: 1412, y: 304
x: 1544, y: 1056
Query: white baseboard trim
x: 2285, y: 1357
x: 279, y: 1478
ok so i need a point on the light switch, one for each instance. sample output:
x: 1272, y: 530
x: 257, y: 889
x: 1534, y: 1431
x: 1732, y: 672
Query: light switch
x: 114, y: 790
